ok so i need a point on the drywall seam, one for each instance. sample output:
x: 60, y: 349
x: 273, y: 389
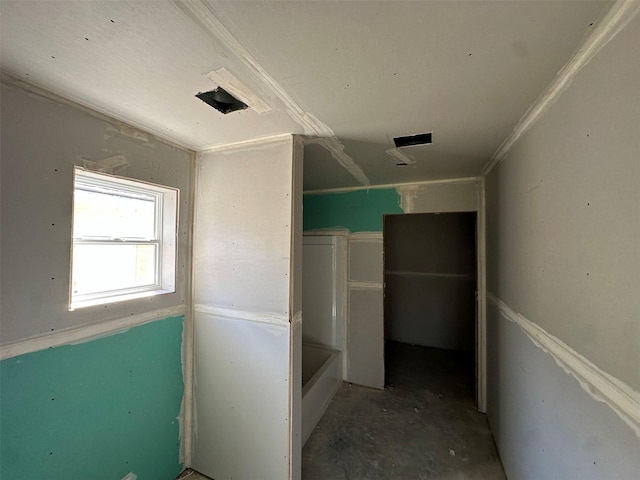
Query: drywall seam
x: 187, y: 430
x: 393, y: 185
x: 365, y: 236
x: 297, y: 319
x: 364, y: 285
x: 85, y: 333
x: 327, y: 233
x: 461, y: 276
x: 399, y: 156
x: 202, y: 16
x: 94, y: 111
x: 601, y: 386
x: 259, y: 317
x: 620, y: 14
x: 481, y: 322
x: 246, y: 144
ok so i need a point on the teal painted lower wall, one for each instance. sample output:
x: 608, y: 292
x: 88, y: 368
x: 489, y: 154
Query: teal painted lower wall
x: 359, y: 210
x: 97, y: 410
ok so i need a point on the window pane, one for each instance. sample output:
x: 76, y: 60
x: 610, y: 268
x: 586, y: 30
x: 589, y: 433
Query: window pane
x: 99, y: 268
x: 112, y: 216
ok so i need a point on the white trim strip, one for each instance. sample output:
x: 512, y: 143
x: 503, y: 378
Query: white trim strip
x: 364, y: 285
x: 86, y: 333
x: 326, y: 233
x: 260, y: 317
x: 457, y: 276
x: 247, y: 144
x: 620, y: 14
x: 600, y: 385
x: 365, y: 237
x: 392, y: 185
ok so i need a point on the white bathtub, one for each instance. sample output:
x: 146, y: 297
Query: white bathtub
x: 321, y: 378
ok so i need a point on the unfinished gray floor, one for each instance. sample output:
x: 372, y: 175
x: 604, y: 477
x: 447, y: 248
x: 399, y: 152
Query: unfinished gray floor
x: 423, y: 425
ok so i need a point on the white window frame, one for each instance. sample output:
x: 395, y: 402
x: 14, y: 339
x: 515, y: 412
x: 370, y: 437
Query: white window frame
x: 165, y: 238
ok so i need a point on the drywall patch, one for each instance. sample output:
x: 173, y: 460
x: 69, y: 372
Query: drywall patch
x: 106, y: 165
x: 600, y: 385
x: 225, y: 79
x: 401, y: 159
x: 95, y: 410
x: 359, y: 210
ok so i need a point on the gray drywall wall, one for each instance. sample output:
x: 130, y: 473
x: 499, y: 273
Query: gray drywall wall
x: 562, y: 214
x: 42, y: 140
x: 365, y: 337
x: 544, y: 424
x: 318, y: 294
x: 440, y: 197
x: 365, y: 260
x: 563, y: 251
x: 430, y: 279
x: 431, y: 311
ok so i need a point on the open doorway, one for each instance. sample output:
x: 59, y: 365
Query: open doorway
x: 430, y: 281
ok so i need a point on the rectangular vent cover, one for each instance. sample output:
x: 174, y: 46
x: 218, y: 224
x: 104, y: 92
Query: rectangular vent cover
x: 222, y: 100
x: 411, y: 140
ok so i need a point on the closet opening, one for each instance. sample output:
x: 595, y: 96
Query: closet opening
x: 430, y: 313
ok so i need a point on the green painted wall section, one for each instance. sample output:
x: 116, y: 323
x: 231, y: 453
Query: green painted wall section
x: 359, y: 210
x: 97, y: 410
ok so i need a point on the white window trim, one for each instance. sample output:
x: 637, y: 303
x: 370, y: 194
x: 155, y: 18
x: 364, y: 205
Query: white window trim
x: 165, y: 239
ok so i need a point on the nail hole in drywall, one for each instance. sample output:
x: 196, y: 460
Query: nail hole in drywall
x: 401, y: 164
x: 112, y: 21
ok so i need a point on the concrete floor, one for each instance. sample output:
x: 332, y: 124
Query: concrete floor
x: 423, y: 425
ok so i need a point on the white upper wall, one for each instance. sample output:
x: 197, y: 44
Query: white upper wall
x: 243, y: 228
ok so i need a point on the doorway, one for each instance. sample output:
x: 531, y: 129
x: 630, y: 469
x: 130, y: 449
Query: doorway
x: 430, y: 282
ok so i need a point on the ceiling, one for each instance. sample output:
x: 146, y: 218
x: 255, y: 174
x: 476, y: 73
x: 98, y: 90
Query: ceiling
x: 349, y: 75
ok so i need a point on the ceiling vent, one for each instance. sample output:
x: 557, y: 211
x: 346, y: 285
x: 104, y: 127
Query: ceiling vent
x: 411, y: 140
x: 222, y: 100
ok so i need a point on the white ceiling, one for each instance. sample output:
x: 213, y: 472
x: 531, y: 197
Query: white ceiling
x: 351, y: 74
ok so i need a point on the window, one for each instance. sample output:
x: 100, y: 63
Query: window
x: 124, y: 239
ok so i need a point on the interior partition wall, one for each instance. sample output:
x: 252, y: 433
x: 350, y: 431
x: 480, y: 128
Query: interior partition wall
x: 247, y: 302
